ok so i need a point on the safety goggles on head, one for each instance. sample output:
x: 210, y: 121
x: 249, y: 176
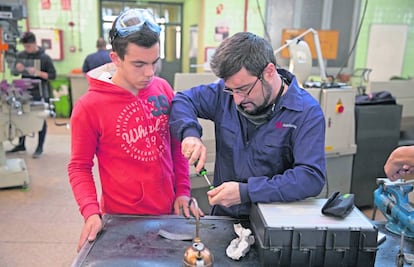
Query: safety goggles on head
x: 132, y: 20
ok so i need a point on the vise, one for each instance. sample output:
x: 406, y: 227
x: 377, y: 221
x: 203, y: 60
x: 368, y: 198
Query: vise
x: 391, y: 198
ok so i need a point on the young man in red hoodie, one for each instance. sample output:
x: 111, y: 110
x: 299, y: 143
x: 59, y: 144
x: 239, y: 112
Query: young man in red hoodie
x: 123, y: 121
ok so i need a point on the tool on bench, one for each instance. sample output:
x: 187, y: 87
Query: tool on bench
x: 197, y: 255
x: 203, y: 173
x: 391, y: 198
x: 402, y: 257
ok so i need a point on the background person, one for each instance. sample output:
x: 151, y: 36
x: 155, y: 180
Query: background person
x: 100, y: 57
x: 33, y: 63
x: 270, y: 134
x: 123, y: 121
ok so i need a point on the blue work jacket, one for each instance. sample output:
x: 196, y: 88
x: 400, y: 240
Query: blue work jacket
x: 284, y: 158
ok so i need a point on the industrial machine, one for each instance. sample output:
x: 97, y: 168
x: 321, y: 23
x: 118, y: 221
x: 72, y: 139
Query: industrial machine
x: 404, y: 95
x: 18, y: 114
x: 338, y: 105
x: 391, y: 198
x: 11, y: 11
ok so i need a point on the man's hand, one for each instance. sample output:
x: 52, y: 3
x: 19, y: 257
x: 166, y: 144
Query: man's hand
x: 92, y: 227
x: 399, y: 163
x: 181, y: 204
x: 194, y: 150
x: 395, y: 172
x: 32, y: 71
x: 227, y: 195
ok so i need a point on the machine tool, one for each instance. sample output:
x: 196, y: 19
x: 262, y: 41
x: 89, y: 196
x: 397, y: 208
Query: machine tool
x: 391, y: 198
x: 19, y: 116
x: 11, y: 11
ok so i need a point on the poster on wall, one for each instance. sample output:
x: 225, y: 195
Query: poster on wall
x: 51, y: 40
x: 221, y: 32
x: 45, y: 4
x: 328, y: 40
x: 66, y: 4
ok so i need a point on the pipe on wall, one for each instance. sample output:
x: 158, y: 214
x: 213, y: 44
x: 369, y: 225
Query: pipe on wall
x: 246, y: 8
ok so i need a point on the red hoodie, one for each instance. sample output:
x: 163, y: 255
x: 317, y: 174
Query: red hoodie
x: 141, y: 167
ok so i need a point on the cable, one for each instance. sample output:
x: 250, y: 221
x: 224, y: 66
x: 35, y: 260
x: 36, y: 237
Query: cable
x: 263, y: 21
x: 356, y: 39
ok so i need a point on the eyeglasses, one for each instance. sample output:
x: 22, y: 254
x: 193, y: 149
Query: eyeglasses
x: 242, y: 93
x: 132, y: 20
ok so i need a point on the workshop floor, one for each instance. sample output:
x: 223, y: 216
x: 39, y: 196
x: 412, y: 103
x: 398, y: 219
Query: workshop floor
x: 40, y: 226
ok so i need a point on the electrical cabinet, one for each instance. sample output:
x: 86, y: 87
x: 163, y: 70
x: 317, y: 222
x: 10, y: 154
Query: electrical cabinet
x: 338, y: 107
x: 377, y: 135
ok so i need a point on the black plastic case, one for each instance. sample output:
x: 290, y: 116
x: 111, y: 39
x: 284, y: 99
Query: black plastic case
x: 298, y: 234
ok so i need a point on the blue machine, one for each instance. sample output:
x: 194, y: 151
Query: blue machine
x: 391, y: 198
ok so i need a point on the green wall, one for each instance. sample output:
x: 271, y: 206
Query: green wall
x: 85, y: 17
x: 232, y: 14
x: 81, y: 36
x: 387, y: 12
x: 190, y: 18
x: 228, y: 16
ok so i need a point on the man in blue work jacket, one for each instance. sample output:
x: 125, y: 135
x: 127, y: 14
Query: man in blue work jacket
x: 269, y: 132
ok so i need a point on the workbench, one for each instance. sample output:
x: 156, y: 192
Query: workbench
x: 134, y: 241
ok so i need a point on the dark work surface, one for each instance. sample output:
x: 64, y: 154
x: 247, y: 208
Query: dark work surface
x: 134, y: 241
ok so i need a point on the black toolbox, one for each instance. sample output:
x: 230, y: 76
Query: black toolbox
x: 298, y: 234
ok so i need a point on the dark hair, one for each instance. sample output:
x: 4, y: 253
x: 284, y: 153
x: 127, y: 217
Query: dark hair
x: 243, y: 49
x: 28, y: 38
x: 101, y: 43
x: 145, y: 37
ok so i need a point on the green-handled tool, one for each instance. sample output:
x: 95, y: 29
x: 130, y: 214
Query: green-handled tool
x: 203, y: 172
